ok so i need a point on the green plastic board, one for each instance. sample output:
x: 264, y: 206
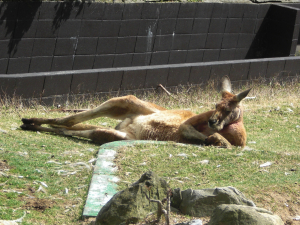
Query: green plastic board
x: 103, y: 184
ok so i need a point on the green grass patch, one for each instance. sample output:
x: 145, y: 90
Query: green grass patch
x: 183, y: 166
x: 36, y: 168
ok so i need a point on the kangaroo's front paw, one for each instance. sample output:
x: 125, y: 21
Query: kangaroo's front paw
x: 217, y: 140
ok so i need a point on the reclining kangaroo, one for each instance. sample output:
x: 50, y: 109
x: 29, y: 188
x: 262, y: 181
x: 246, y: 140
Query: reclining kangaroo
x: 146, y: 121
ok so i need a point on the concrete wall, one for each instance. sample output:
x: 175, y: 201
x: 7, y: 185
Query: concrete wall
x: 56, y: 48
x: 144, y: 77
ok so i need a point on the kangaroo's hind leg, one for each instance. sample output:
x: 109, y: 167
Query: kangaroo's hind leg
x: 98, y: 135
x: 116, y: 108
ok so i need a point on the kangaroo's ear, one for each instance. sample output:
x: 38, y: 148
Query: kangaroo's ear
x: 239, y: 97
x: 226, y: 84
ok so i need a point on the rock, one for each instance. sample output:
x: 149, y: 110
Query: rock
x: 192, y: 222
x: 3, y: 131
x: 201, y: 203
x: 297, y: 218
x: 275, y: 1
x: 243, y: 215
x: 12, y: 222
x: 228, y: 1
x: 131, y: 204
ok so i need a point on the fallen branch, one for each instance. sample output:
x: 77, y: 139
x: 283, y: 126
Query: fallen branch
x: 160, y: 209
x: 165, y: 90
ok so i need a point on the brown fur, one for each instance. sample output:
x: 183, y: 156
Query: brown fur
x: 147, y: 121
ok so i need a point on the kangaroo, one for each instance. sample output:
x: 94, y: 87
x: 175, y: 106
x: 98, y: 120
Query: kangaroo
x: 142, y: 120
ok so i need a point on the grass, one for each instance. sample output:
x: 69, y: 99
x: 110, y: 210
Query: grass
x: 29, y: 160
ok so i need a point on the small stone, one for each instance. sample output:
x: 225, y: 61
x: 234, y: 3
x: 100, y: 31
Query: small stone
x: 182, y: 155
x: 246, y: 148
x: 297, y: 218
x: 192, y: 222
x: 265, y: 164
x: 205, y: 161
x: 92, y: 160
x: 180, y: 181
x: 44, y: 184
x: 3, y: 131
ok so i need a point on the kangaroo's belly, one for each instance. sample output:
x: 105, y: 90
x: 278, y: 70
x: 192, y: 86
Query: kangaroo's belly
x: 161, y: 126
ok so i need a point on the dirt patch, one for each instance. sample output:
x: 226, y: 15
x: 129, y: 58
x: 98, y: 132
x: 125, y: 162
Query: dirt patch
x: 281, y: 204
x: 174, y: 219
x: 31, y: 189
x: 3, y: 165
x: 38, y: 204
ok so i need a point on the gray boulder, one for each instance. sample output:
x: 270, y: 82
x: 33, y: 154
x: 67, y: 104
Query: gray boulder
x: 243, y: 215
x: 131, y: 204
x: 201, y: 203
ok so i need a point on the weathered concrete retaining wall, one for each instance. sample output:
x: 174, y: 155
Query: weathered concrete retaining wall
x: 56, y: 48
x: 131, y: 78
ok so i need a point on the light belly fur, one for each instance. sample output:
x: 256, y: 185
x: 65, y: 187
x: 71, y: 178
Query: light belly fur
x: 161, y: 126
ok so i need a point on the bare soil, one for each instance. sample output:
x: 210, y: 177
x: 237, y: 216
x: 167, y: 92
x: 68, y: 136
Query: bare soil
x: 151, y: 220
x: 280, y: 204
x: 38, y: 204
x: 3, y: 165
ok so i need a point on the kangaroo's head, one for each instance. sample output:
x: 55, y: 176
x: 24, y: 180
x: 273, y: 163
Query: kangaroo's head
x: 228, y: 110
